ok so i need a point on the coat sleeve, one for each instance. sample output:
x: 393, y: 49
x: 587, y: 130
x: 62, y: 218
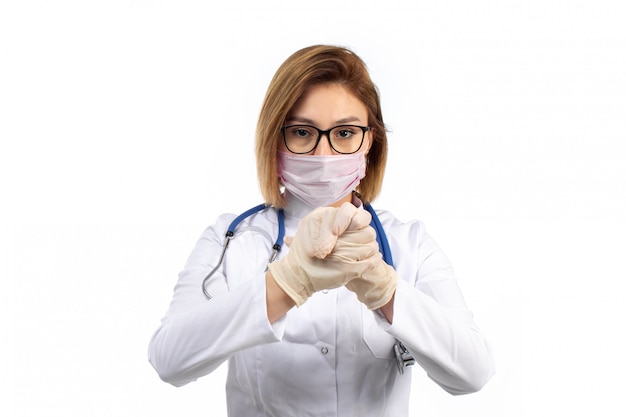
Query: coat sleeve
x: 431, y: 317
x: 197, y: 335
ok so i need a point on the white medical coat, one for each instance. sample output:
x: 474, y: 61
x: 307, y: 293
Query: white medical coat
x: 331, y: 356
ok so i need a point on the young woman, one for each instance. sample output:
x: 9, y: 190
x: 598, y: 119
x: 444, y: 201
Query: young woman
x: 328, y: 326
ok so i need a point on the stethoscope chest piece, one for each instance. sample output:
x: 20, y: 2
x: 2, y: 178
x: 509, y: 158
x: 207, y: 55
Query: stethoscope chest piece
x: 403, y: 357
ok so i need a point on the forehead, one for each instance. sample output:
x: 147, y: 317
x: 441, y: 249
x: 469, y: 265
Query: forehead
x: 327, y: 104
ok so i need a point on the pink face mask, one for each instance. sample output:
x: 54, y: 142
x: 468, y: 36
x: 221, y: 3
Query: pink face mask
x: 321, y: 180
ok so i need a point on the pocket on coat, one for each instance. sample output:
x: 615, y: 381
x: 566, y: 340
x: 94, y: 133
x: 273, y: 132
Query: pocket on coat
x: 379, y: 342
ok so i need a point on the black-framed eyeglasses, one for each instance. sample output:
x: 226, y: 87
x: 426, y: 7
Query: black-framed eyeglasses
x: 345, y: 139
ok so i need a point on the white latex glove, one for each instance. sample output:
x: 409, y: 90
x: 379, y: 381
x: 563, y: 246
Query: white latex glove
x: 376, y: 286
x: 314, y: 262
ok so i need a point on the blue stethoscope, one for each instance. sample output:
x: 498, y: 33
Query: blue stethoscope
x: 403, y: 357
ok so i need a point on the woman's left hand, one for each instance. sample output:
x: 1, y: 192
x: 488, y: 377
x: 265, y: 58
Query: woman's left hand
x: 376, y: 287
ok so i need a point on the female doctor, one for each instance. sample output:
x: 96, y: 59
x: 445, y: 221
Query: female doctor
x: 327, y: 327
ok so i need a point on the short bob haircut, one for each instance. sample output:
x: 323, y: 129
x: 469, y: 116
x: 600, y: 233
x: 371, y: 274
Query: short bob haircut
x: 318, y: 64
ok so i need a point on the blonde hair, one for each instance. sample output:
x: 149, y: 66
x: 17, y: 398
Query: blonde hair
x: 318, y: 64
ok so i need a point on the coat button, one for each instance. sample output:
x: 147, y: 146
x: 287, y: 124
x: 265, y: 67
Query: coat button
x: 324, y: 350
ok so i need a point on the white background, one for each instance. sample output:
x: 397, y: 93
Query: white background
x: 127, y: 127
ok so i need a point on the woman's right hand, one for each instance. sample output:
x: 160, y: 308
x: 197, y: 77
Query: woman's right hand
x: 317, y: 260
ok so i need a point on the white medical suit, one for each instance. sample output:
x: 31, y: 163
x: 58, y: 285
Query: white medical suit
x: 331, y: 356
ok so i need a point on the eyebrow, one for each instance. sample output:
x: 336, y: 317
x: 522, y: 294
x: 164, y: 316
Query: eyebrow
x: 311, y: 122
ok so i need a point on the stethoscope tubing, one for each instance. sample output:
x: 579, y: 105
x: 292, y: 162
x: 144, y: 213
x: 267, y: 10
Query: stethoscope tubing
x: 381, y: 238
x: 230, y: 233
